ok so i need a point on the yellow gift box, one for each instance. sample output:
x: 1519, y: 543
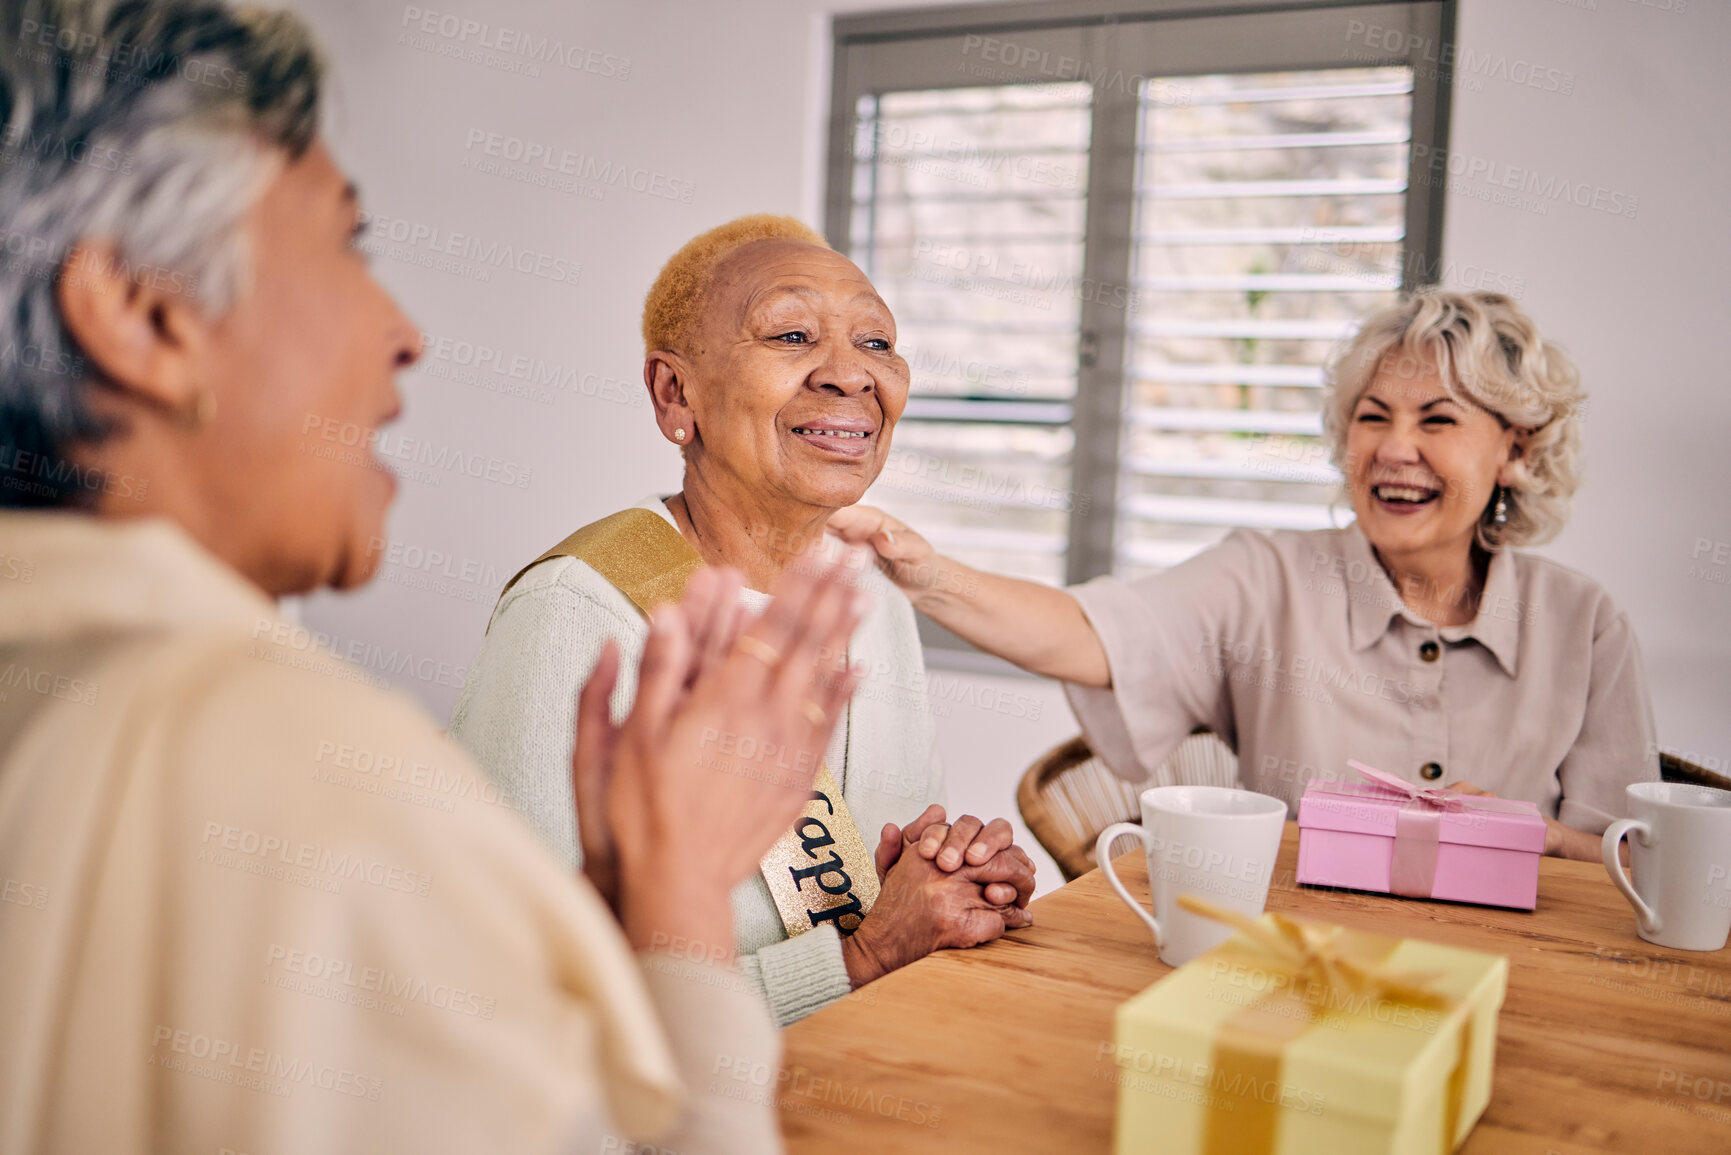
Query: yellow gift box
x: 1300, y: 1039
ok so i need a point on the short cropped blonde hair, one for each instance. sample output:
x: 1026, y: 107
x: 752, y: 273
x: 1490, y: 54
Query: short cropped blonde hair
x: 1488, y: 353
x: 675, y: 301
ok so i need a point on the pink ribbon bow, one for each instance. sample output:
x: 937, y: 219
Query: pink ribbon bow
x: 1418, y: 828
x: 1435, y: 797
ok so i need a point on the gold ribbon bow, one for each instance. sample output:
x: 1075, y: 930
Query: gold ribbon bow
x: 1249, y: 1051
x: 1320, y: 954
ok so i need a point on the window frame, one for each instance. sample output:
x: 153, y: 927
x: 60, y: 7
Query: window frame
x: 931, y: 49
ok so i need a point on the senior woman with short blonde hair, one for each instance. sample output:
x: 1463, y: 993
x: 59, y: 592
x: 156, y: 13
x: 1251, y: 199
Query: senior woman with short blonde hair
x: 771, y: 364
x: 1417, y: 639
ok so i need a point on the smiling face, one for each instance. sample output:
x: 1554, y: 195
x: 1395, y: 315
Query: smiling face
x: 1421, y: 465
x: 792, y: 383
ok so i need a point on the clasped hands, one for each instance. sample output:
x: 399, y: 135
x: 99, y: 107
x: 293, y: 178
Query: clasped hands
x: 942, y: 885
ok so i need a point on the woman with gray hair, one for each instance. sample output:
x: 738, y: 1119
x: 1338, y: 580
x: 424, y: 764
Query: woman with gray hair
x: 1417, y: 639
x: 251, y: 902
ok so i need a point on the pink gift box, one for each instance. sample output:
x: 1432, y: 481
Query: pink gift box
x: 1390, y: 836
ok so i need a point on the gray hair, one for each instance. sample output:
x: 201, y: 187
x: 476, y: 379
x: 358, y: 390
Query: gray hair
x: 152, y: 125
x: 1488, y: 353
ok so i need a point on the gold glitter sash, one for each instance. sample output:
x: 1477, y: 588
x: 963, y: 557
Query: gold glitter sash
x: 819, y: 871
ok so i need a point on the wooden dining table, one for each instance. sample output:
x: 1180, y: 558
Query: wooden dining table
x: 1605, y: 1043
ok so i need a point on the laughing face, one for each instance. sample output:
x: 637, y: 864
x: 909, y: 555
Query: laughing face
x: 1422, y: 466
x: 792, y: 384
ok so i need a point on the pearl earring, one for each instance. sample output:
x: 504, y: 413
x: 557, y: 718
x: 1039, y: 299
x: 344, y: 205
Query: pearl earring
x: 1500, y: 514
x: 679, y: 434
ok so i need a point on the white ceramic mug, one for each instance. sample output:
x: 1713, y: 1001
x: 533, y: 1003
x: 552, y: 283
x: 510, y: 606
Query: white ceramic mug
x: 1680, y: 850
x: 1211, y: 841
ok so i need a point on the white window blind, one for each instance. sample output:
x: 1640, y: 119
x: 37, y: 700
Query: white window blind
x: 1269, y: 216
x: 969, y: 206
x: 1120, y: 240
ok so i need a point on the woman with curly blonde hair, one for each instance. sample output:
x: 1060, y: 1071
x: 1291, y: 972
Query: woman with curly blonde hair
x: 1418, y: 639
x: 1486, y: 353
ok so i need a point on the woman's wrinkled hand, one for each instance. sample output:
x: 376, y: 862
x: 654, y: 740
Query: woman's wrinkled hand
x: 1553, y: 840
x: 905, y: 557
x: 921, y: 908
x: 967, y: 841
x: 711, y: 616
x: 1560, y: 841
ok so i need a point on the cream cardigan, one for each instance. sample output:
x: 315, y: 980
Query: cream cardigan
x: 252, y: 903
x: 516, y: 714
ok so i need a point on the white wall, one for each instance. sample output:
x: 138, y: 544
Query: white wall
x: 1640, y: 302
x: 716, y: 99
x: 731, y: 100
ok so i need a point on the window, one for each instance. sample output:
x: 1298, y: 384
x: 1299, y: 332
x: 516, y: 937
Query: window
x: 1270, y: 212
x: 969, y: 206
x: 1119, y: 246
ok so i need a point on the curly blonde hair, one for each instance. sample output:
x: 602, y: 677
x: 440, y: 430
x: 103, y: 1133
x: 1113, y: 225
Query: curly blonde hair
x: 1488, y: 353
x: 675, y: 300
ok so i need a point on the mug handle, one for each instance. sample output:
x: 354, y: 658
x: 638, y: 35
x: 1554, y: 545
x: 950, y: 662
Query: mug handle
x: 1608, y: 850
x: 1102, y: 855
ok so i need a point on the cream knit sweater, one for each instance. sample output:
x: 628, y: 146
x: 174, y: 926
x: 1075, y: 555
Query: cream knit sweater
x: 516, y: 715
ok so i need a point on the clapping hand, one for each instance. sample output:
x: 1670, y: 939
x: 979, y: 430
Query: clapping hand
x: 717, y: 757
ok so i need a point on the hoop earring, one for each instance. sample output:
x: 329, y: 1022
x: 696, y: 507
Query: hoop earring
x: 1500, y: 512
x: 679, y: 434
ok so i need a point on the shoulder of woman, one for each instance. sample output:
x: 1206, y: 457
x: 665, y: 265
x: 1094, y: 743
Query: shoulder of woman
x: 892, y: 614
x: 563, y: 592
x: 287, y: 705
x: 319, y: 755
x: 1302, y: 549
x: 1253, y: 556
x: 883, y: 591
x: 1550, y: 589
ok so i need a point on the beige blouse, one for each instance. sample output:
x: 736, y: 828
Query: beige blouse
x: 250, y: 902
x: 1296, y: 649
